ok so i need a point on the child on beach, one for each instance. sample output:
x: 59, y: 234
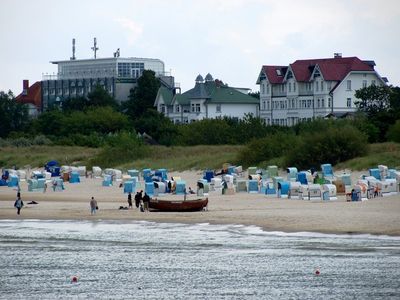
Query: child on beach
x: 18, y: 205
x: 93, y: 206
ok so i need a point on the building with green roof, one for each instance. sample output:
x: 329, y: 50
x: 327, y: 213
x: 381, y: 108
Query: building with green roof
x: 208, y: 99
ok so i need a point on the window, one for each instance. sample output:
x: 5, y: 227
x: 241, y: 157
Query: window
x: 329, y: 102
x: 177, y: 108
x: 59, y: 91
x: 364, y: 83
x: 308, y: 103
x: 373, y: 82
x: 318, y: 103
x: 290, y: 87
x: 196, y: 107
x: 329, y: 85
x: 322, y: 102
x: 263, y: 105
x: 348, y: 102
x: 349, y: 85
x: 316, y: 86
x: 262, y: 88
x: 218, y: 107
x: 322, y: 86
x: 294, y: 86
x: 267, y: 88
x: 162, y: 108
x: 267, y: 105
x: 282, y: 88
x: 293, y: 103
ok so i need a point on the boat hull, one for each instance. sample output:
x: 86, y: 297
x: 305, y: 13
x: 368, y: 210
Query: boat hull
x: 178, y: 205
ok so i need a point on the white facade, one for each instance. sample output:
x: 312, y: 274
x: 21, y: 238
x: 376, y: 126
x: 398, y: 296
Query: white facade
x: 207, y: 100
x: 285, y: 100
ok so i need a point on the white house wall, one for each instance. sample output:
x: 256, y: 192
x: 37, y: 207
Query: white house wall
x: 231, y: 110
x: 341, y: 93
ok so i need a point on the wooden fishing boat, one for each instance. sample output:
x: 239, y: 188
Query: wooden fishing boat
x: 178, y: 205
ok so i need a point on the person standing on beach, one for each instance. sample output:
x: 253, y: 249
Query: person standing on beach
x: 137, y: 199
x: 93, y: 206
x: 146, y: 202
x: 18, y: 205
x: 130, y: 200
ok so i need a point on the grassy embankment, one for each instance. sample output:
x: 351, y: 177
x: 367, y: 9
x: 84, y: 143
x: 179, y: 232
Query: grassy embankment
x: 176, y: 158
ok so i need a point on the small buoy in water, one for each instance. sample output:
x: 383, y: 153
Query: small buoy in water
x: 74, y: 279
x: 317, y: 272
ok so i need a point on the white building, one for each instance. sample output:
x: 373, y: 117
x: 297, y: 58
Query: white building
x: 208, y: 99
x: 117, y: 75
x: 313, y: 88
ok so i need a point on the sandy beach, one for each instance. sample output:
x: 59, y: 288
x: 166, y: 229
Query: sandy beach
x: 378, y: 216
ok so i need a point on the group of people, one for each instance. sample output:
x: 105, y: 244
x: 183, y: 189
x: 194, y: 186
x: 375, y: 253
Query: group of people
x: 141, y: 202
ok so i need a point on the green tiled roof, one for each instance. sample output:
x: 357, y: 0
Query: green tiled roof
x: 225, y: 94
x: 211, y: 91
x: 166, y: 95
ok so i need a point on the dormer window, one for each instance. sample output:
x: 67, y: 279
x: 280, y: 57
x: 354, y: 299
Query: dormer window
x: 278, y: 72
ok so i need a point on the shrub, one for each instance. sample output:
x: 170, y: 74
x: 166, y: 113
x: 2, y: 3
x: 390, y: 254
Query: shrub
x: 332, y: 145
x: 267, y: 148
x: 393, y: 133
x: 21, y: 142
x: 41, y: 140
x: 120, y: 148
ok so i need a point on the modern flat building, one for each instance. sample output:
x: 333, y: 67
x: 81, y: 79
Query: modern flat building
x: 313, y: 88
x: 208, y: 99
x: 77, y: 77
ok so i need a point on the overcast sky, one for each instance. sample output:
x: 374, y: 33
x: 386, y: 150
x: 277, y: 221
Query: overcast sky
x: 231, y: 39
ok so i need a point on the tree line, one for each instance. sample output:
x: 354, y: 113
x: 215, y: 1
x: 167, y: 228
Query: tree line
x: 98, y: 120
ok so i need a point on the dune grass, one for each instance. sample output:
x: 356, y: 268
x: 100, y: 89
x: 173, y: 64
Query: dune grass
x: 177, y: 158
x: 378, y: 154
x: 37, y: 156
x: 186, y: 158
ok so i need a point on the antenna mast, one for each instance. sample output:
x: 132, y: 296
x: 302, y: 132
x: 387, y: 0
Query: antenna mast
x: 94, y: 48
x: 73, y: 50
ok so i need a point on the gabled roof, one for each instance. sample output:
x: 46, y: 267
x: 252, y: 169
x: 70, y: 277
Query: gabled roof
x: 274, y: 74
x: 166, y: 94
x: 332, y: 69
x: 33, y: 95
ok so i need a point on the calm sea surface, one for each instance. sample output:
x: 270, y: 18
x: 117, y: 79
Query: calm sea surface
x: 142, y: 260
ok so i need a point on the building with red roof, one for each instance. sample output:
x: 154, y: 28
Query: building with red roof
x: 312, y: 88
x: 32, y: 96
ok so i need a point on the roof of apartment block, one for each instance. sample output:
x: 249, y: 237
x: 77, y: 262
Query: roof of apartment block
x: 335, y: 69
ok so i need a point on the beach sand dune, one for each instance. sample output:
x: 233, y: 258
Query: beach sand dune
x: 375, y: 216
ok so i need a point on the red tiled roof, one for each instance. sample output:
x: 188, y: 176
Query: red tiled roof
x: 331, y: 68
x: 33, y: 95
x: 272, y: 75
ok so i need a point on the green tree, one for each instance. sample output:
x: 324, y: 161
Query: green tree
x: 157, y: 126
x: 142, y: 97
x: 381, y: 104
x: 13, y: 115
x: 96, y: 98
x: 373, y: 99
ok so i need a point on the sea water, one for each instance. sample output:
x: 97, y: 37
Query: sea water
x: 144, y: 260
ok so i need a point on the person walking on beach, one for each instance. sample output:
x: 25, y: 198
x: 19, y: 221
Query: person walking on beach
x: 93, y: 206
x: 18, y: 205
x: 130, y: 200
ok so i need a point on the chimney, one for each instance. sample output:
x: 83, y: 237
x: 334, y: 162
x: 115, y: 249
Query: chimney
x: 337, y: 55
x: 25, y: 87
